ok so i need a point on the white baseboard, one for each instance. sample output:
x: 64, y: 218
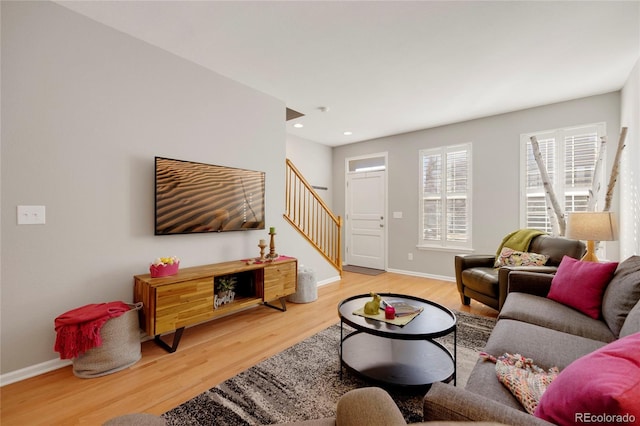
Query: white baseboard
x: 329, y: 280
x: 32, y: 371
x: 423, y: 275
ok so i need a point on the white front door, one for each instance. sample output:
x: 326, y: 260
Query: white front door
x: 365, y: 231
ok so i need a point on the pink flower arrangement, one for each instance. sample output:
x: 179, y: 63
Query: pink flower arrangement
x: 164, y: 267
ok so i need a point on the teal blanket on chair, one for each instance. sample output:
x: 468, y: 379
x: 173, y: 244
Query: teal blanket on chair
x: 519, y: 240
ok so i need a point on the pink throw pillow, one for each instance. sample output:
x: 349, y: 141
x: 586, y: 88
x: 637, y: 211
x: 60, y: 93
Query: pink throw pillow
x: 581, y: 284
x: 602, y: 387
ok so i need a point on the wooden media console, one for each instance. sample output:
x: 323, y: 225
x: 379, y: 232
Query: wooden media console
x: 172, y: 303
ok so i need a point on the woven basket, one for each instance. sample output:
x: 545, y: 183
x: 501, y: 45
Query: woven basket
x: 120, y: 347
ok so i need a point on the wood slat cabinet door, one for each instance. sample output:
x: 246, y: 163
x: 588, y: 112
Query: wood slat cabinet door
x: 182, y: 304
x: 280, y: 280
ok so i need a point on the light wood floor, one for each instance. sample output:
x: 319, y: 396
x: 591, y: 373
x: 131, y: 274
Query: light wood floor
x: 208, y: 354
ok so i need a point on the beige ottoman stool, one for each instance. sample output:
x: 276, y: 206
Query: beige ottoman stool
x: 307, y: 287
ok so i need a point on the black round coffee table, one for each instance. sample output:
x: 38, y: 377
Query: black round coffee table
x: 398, y: 355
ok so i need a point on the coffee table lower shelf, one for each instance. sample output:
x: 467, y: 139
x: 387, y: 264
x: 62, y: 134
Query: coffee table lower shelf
x: 407, y: 363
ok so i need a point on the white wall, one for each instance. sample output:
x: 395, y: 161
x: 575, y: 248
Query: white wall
x: 629, y: 173
x: 84, y: 111
x: 314, y: 162
x: 496, y: 175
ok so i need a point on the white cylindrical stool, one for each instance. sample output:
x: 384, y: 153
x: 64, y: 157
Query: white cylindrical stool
x: 307, y: 287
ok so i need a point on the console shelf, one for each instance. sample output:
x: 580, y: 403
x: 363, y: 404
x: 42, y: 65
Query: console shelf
x: 172, y: 303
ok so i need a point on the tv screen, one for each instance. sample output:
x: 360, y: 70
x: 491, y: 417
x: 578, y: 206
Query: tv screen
x: 195, y: 197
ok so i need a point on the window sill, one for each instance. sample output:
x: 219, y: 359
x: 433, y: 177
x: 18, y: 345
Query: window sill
x: 445, y: 249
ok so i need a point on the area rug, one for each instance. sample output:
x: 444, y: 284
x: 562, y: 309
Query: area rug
x: 303, y: 382
x: 362, y: 270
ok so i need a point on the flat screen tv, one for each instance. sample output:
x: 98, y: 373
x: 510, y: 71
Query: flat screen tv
x: 195, y: 197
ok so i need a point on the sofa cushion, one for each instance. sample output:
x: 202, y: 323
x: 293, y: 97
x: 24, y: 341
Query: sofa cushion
x: 622, y: 293
x: 581, y: 284
x: 483, y: 381
x: 483, y: 280
x: 553, y: 315
x: 548, y: 348
x: 632, y: 323
x: 603, y: 383
x: 511, y: 257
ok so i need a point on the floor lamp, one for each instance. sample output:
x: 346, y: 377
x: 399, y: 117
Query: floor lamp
x: 592, y: 227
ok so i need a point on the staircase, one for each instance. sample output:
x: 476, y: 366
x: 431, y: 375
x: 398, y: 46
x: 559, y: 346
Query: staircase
x: 307, y: 213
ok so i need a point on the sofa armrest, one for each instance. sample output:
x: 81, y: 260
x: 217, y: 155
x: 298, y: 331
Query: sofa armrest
x: 446, y: 402
x: 534, y: 283
x: 474, y: 260
x: 463, y: 262
x: 504, y: 274
x: 366, y: 407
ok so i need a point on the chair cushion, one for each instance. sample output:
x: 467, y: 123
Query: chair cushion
x: 600, y: 387
x: 482, y: 280
x: 581, y: 284
x: 622, y: 293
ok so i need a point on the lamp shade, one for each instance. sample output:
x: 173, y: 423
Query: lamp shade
x: 595, y: 226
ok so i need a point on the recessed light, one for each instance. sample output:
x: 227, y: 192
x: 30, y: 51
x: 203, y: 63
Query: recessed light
x: 347, y: 133
x: 298, y: 125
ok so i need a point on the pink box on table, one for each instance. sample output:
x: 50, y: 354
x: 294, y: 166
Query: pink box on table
x: 164, y: 270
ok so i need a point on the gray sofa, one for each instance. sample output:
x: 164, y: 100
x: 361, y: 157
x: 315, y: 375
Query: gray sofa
x: 550, y: 333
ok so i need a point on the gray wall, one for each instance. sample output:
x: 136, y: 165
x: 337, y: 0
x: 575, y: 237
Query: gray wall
x: 496, y: 175
x: 84, y: 111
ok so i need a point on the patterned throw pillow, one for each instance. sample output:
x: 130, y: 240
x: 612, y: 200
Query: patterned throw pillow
x: 525, y: 380
x: 511, y: 257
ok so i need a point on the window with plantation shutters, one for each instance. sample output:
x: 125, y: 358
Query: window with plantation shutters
x: 570, y: 158
x: 445, y: 197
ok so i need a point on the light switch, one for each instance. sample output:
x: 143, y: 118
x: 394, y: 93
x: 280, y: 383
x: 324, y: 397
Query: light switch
x: 31, y: 215
x: 397, y: 215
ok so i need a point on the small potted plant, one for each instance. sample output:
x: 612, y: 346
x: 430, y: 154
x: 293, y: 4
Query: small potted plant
x: 224, y: 289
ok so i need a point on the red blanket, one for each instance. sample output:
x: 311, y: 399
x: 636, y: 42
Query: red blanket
x: 79, y: 329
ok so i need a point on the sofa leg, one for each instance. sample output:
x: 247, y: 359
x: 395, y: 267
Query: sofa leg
x: 465, y: 300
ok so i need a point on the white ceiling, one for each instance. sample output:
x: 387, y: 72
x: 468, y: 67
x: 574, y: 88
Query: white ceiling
x: 389, y: 67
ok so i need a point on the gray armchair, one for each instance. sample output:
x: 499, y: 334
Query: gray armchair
x: 477, y: 279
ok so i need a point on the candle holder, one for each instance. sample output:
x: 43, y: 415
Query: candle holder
x: 272, y: 255
x: 262, y: 246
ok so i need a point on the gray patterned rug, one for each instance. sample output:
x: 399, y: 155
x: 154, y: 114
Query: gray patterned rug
x: 303, y: 382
